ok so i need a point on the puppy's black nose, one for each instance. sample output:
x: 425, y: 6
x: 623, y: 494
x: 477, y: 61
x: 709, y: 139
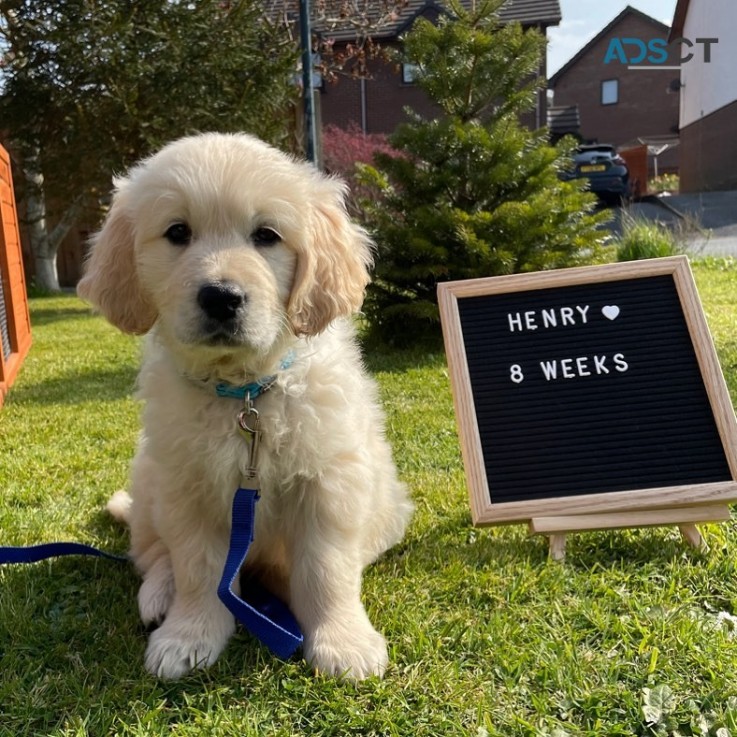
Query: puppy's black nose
x: 220, y: 301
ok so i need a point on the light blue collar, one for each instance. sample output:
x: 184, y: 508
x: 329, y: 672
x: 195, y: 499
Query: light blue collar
x: 255, y: 388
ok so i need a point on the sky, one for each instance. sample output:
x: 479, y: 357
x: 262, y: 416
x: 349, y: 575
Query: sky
x: 583, y: 19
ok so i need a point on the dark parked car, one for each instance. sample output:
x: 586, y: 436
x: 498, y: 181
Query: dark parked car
x: 605, y: 169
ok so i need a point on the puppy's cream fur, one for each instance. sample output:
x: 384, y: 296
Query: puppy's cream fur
x: 331, y: 501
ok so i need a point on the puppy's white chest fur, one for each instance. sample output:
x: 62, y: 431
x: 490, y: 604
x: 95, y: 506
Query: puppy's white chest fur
x: 319, y: 411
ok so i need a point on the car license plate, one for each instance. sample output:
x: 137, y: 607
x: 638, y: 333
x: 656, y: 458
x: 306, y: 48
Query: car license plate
x: 593, y: 167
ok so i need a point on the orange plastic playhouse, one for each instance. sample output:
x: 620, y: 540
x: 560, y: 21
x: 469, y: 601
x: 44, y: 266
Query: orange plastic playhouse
x: 15, y: 323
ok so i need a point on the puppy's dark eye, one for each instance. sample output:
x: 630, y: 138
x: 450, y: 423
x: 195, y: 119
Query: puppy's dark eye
x: 178, y: 234
x: 265, y: 237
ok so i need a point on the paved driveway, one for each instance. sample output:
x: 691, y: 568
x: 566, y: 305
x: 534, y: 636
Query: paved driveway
x: 706, y: 221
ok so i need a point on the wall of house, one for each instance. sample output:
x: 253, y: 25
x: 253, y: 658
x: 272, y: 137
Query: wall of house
x: 644, y: 108
x: 375, y: 105
x: 709, y: 152
x: 708, y: 111
x: 708, y: 86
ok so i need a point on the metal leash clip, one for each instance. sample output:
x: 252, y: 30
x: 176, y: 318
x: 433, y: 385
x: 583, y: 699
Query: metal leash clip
x: 248, y: 424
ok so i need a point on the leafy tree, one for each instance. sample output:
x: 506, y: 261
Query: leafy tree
x: 90, y: 86
x: 473, y: 192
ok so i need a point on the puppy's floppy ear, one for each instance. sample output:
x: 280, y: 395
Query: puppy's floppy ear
x: 332, y: 266
x: 110, y: 281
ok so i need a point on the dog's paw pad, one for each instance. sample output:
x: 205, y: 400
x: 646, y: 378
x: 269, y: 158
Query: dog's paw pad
x: 353, y: 656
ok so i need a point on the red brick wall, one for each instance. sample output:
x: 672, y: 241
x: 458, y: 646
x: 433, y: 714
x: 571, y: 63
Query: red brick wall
x: 645, y: 108
x: 382, y: 99
x: 709, y: 152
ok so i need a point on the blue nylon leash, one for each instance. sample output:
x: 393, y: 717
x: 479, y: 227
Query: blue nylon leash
x: 36, y: 553
x: 265, y: 616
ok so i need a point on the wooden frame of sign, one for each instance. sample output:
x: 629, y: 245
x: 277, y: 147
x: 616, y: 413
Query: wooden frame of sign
x: 590, y: 398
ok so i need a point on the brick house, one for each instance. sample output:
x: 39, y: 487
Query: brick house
x: 622, y: 99
x: 377, y: 104
x: 708, y: 112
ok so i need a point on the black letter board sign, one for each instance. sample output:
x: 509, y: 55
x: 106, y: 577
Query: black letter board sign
x: 592, y: 391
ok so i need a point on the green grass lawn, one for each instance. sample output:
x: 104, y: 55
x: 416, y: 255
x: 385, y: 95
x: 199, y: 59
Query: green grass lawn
x: 635, y: 634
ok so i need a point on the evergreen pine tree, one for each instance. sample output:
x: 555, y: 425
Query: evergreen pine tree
x: 472, y: 192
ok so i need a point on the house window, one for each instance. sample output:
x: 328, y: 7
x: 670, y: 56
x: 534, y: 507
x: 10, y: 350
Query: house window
x: 610, y: 92
x: 409, y: 73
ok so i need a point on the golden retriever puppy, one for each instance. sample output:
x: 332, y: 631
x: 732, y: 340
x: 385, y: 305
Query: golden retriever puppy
x: 240, y: 263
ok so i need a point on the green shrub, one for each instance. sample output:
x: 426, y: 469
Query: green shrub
x: 641, y: 239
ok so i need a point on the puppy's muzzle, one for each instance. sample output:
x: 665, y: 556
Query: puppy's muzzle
x: 222, y: 306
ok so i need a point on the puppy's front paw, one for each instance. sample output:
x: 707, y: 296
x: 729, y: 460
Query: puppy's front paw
x: 174, y: 650
x: 156, y: 595
x: 351, y: 652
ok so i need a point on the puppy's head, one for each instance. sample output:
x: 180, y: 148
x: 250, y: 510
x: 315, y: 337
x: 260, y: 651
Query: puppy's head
x: 227, y: 243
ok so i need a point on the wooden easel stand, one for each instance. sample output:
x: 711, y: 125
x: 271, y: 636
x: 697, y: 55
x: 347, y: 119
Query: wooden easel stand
x: 557, y: 528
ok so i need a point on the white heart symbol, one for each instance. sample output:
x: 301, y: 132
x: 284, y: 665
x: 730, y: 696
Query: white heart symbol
x: 611, y: 312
